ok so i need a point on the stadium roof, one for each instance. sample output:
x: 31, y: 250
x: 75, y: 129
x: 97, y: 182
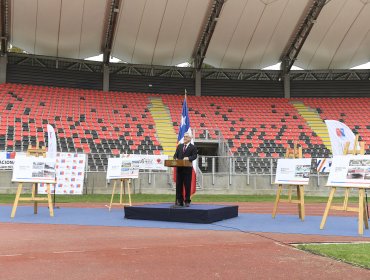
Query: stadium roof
x: 238, y: 34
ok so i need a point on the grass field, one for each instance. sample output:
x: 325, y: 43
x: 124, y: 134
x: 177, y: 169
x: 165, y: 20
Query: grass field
x: 9, y: 198
x: 357, y: 254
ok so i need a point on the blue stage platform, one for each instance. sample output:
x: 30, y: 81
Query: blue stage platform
x: 196, y: 213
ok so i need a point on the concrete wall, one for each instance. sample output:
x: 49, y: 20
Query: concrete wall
x: 161, y: 183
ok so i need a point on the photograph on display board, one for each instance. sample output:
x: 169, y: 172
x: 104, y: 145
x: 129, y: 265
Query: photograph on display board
x: 302, y: 171
x: 367, y: 173
x: 356, y: 172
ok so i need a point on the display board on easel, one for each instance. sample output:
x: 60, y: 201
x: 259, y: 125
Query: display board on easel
x: 122, y: 170
x: 34, y: 168
x: 351, y: 170
x: 293, y: 171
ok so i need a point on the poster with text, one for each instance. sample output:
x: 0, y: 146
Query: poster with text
x: 293, y: 171
x: 119, y: 168
x: 34, y: 170
x: 350, y: 171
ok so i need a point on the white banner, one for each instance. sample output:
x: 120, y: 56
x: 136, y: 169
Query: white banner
x: 7, y: 160
x: 339, y: 134
x: 70, y: 174
x: 350, y: 171
x: 119, y: 168
x: 293, y: 171
x: 52, y: 143
x: 151, y: 162
x: 34, y: 170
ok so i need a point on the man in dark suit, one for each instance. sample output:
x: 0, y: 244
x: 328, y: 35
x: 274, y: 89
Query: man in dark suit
x: 186, y: 151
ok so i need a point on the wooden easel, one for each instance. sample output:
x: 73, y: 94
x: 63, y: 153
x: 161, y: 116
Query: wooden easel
x: 37, y: 152
x: 295, y: 152
x: 361, y: 209
x: 123, y: 182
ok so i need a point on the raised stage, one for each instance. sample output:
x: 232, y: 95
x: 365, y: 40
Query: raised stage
x: 196, y: 213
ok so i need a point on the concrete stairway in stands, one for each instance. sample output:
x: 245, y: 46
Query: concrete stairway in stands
x: 314, y: 121
x: 163, y: 123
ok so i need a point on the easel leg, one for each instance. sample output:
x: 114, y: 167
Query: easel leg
x: 113, y: 190
x: 366, y: 221
x: 278, y: 192
x: 345, y: 202
x: 300, y: 196
x: 361, y: 211
x: 50, y: 202
x: 129, y: 192
x: 34, y: 193
x: 323, y: 221
x: 122, y: 190
x: 15, y: 204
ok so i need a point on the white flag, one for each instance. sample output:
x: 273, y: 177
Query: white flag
x: 339, y: 134
x: 52, y: 147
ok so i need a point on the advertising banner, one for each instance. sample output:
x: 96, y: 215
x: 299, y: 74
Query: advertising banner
x: 70, y: 174
x: 150, y: 162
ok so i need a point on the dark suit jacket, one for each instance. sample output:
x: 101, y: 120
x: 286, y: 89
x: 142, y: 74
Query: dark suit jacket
x: 191, y: 152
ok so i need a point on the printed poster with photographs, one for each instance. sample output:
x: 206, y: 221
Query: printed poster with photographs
x: 70, y: 174
x: 350, y: 171
x: 120, y: 168
x: 293, y: 171
x: 34, y: 170
x: 149, y: 162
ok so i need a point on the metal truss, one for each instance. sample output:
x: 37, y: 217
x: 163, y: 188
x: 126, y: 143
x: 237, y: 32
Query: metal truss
x: 55, y: 63
x: 330, y: 75
x: 230, y: 74
x: 184, y: 72
x: 151, y: 71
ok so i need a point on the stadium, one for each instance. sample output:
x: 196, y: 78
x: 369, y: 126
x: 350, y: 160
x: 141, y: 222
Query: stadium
x: 111, y: 77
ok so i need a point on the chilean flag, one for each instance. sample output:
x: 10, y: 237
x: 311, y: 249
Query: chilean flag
x: 185, y: 127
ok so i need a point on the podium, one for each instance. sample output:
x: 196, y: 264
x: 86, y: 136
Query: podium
x: 177, y: 163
